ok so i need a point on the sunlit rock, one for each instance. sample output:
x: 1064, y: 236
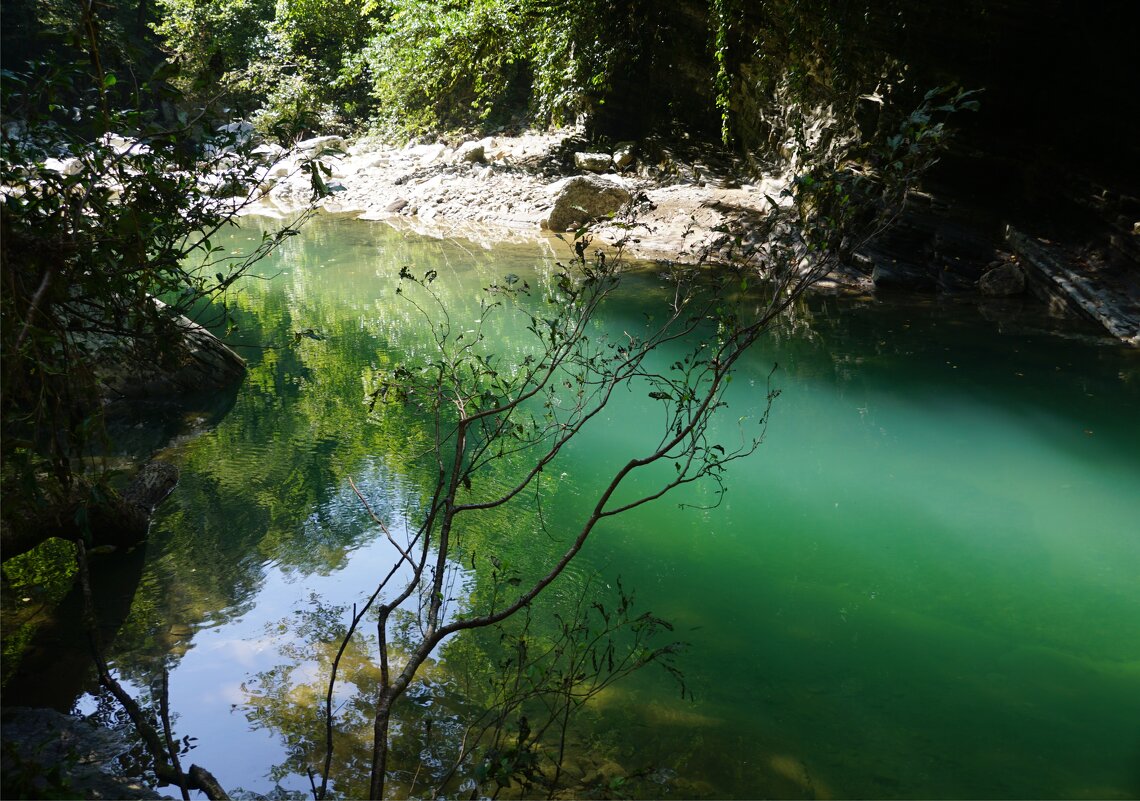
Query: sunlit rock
x: 623, y: 155
x: 469, y: 152
x: 593, y: 162
x: 584, y: 198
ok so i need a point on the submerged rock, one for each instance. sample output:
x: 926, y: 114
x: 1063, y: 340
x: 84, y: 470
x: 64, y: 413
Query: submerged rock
x: 1003, y: 281
x: 194, y: 361
x: 47, y: 754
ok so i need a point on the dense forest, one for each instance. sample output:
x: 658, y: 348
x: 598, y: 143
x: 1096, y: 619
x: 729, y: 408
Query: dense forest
x: 136, y: 132
x: 1054, y: 75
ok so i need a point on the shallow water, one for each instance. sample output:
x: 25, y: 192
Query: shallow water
x: 924, y: 584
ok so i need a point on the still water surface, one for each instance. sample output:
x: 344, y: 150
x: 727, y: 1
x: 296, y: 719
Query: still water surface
x: 925, y: 584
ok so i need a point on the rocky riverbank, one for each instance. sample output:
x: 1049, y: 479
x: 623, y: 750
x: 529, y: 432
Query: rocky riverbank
x: 520, y: 187
x: 509, y: 187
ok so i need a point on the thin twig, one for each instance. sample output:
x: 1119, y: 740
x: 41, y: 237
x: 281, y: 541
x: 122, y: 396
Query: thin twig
x: 171, y: 750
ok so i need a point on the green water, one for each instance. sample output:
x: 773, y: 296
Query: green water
x: 926, y: 583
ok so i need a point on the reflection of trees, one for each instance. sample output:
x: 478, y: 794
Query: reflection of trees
x: 268, y: 484
x: 497, y: 709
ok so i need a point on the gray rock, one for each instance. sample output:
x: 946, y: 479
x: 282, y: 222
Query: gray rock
x: 469, y: 152
x: 197, y: 361
x: 593, y: 162
x: 1003, y: 281
x: 623, y: 155
x: 584, y: 198
x: 241, y: 131
x: 894, y: 274
x: 270, y: 152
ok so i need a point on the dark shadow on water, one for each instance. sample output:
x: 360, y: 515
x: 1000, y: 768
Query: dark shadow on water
x: 57, y: 666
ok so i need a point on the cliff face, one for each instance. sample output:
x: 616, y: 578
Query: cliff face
x: 1060, y: 78
x: 1053, y: 152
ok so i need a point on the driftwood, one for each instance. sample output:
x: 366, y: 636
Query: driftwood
x: 99, y: 515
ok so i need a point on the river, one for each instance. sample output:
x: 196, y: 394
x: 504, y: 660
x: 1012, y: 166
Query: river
x: 926, y: 582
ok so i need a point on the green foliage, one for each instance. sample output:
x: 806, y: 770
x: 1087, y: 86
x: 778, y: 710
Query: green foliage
x: 34, y: 582
x: 820, y: 49
x: 107, y: 206
x: 408, y: 66
x: 213, y: 42
x: 850, y: 194
x: 30, y: 778
x: 292, y: 65
x: 722, y: 14
x: 531, y: 680
x: 439, y: 66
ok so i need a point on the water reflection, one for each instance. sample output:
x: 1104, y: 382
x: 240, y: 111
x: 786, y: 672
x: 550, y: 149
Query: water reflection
x: 923, y: 585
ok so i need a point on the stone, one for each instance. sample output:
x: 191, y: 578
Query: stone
x: 68, y: 166
x: 429, y: 154
x: 623, y: 155
x: 894, y: 274
x: 584, y: 198
x: 64, y: 756
x: 469, y: 152
x: 230, y: 136
x: 270, y: 152
x: 1003, y: 281
x: 593, y: 162
x: 122, y: 144
x: 319, y: 143
x: 198, y: 362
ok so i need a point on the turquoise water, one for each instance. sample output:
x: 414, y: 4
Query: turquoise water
x: 926, y: 583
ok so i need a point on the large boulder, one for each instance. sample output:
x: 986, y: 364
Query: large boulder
x: 319, y: 144
x: 189, y: 360
x: 585, y: 198
x: 1002, y: 281
x: 47, y: 754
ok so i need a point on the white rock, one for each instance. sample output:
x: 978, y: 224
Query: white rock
x: 69, y: 166
x: 240, y: 131
x: 429, y: 154
x: 319, y: 143
x: 269, y: 151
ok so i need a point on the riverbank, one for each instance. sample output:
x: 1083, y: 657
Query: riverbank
x: 500, y: 188
x: 684, y: 206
